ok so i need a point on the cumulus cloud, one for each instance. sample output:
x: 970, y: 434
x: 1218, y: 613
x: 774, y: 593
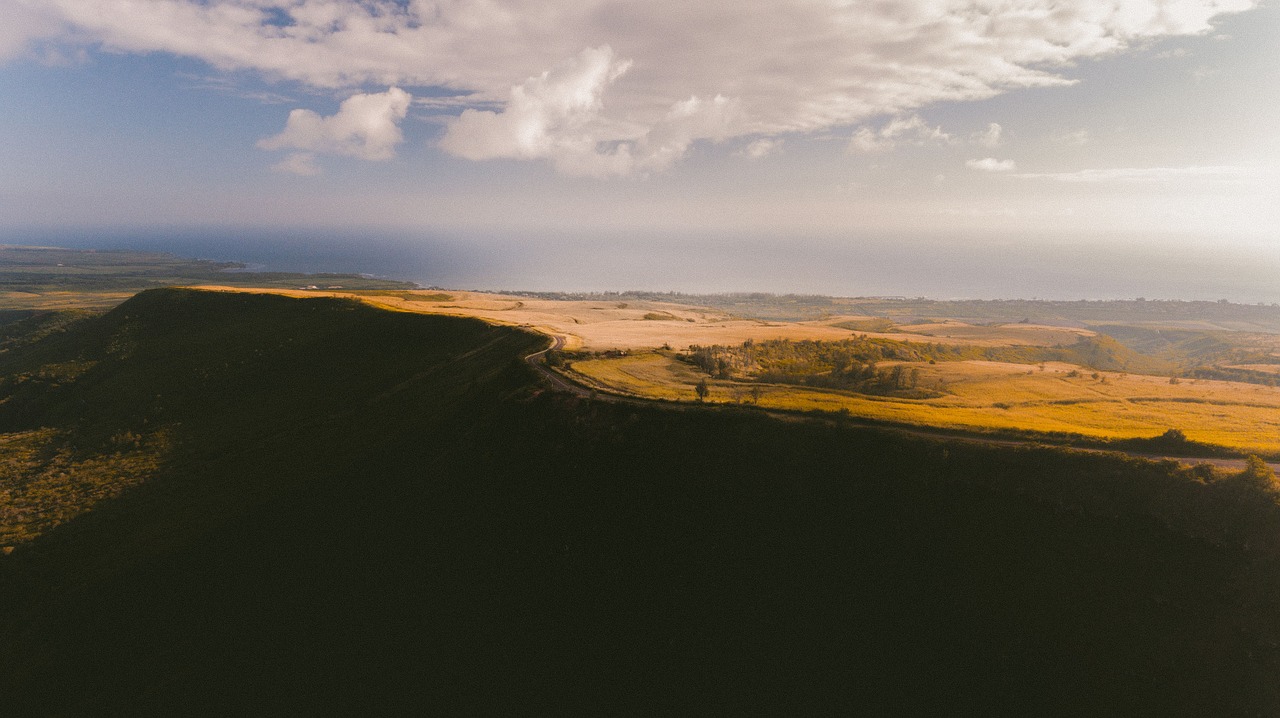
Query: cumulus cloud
x: 365, y: 126
x: 24, y: 23
x: 991, y: 164
x: 900, y: 130
x: 771, y: 66
x: 761, y: 148
x: 991, y: 137
x: 553, y: 115
x: 558, y: 116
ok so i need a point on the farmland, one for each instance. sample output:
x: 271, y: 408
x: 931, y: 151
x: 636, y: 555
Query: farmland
x: 1102, y: 370
x: 1100, y: 381
x: 980, y: 395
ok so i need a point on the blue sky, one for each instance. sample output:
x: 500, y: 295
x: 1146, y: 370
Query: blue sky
x: 1138, y: 120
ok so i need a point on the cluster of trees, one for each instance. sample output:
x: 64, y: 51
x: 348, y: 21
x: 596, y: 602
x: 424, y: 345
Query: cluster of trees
x: 815, y: 357
x: 853, y: 363
x: 848, y: 364
x: 1223, y: 373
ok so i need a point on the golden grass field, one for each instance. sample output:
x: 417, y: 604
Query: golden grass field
x: 599, y: 326
x: 62, y: 300
x: 591, y: 325
x: 994, y: 395
x: 978, y: 395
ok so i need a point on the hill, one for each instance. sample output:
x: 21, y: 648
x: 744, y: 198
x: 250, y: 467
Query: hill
x: 361, y: 510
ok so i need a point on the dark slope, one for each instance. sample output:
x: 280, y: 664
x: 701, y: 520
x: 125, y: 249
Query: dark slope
x: 379, y: 513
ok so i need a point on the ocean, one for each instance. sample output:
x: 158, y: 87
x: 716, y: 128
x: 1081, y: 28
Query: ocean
x: 941, y: 266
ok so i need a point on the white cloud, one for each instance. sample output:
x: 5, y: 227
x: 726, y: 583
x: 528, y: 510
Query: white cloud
x: 761, y: 148
x: 778, y: 66
x: 991, y: 164
x: 23, y: 23
x: 992, y: 137
x: 553, y: 115
x: 557, y: 116
x: 900, y: 130
x: 365, y: 126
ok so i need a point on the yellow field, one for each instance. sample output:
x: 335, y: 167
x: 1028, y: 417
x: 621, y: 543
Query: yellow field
x: 993, y: 395
x: 62, y: 300
x: 634, y: 324
x: 977, y: 395
x: 594, y: 325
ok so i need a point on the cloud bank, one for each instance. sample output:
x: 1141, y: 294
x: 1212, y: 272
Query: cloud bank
x: 606, y: 87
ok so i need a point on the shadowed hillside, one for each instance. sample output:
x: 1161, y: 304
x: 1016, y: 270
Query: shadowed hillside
x: 357, y: 510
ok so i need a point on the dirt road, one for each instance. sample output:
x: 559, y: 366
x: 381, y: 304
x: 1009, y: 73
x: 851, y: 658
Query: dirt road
x: 560, y: 382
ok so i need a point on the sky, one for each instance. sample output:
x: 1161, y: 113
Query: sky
x: 1154, y: 124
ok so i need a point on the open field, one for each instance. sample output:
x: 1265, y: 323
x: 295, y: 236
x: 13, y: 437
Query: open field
x: 998, y: 334
x: 975, y: 395
x: 994, y: 396
x: 595, y: 325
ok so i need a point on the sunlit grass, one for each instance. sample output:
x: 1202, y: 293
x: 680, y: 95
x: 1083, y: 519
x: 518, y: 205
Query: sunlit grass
x: 996, y: 396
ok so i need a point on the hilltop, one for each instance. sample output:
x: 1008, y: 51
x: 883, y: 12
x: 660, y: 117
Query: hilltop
x: 349, y: 509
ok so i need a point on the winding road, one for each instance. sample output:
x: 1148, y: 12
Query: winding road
x: 560, y: 382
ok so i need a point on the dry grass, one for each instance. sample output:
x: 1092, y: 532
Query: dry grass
x: 592, y: 325
x: 993, y: 395
x: 43, y: 484
x: 598, y: 326
x: 978, y: 395
x: 62, y: 300
x: 1000, y: 334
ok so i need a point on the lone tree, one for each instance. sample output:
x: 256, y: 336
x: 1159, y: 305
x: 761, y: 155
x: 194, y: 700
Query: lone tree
x: 702, y: 390
x: 1258, y: 473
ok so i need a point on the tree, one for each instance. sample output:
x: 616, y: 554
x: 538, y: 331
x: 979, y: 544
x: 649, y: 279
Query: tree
x: 702, y: 390
x: 1259, y: 473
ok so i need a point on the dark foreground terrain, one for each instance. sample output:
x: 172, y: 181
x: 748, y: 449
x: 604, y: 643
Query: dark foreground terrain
x: 360, y: 511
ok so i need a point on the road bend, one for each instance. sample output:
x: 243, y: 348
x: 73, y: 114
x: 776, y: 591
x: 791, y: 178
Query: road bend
x: 560, y: 382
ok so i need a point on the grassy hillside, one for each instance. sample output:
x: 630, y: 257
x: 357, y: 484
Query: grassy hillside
x: 369, y: 511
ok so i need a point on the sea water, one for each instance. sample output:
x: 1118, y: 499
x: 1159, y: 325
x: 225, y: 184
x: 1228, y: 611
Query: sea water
x: 940, y: 266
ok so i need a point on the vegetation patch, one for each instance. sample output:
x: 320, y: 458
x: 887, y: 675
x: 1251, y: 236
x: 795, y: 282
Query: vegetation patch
x: 45, y: 481
x: 1053, y: 400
